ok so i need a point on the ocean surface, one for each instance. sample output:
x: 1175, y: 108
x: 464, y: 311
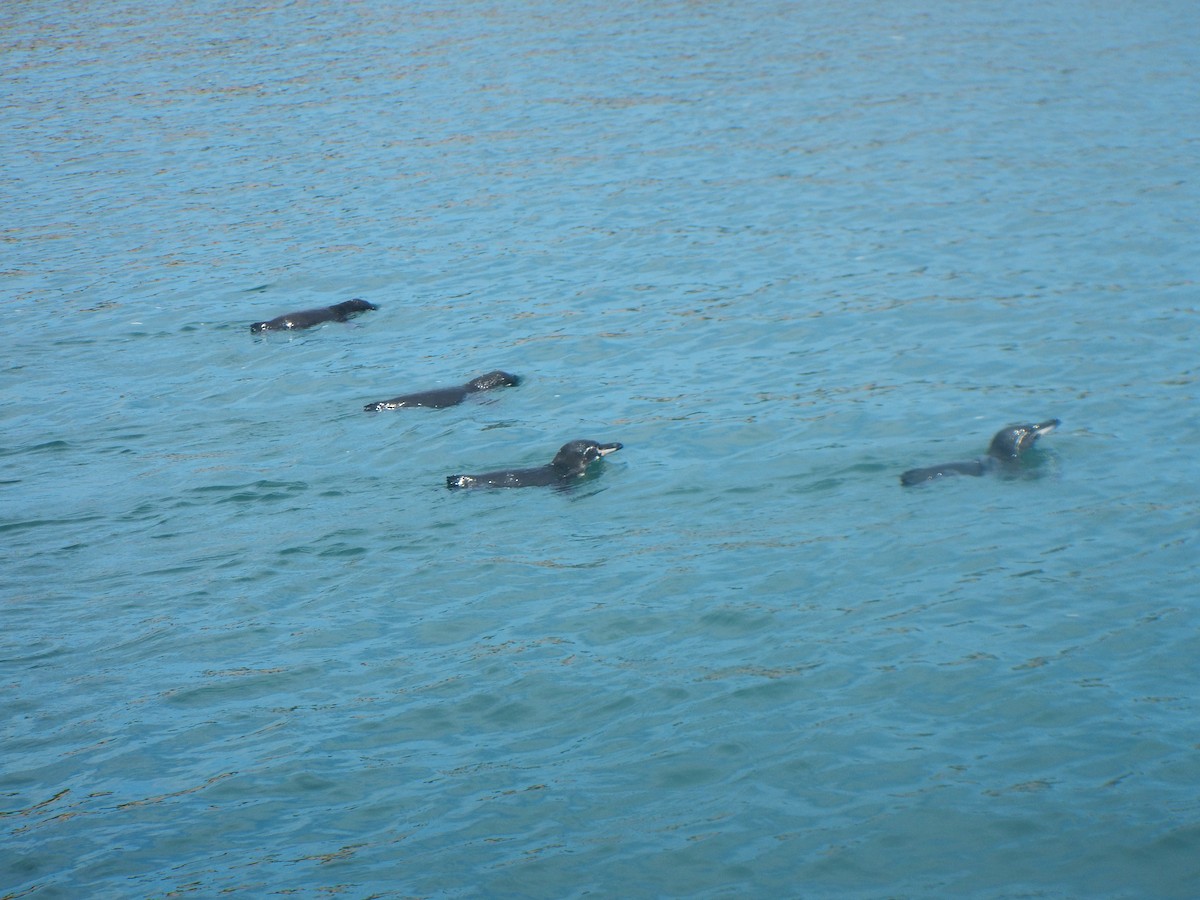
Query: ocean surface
x: 251, y: 645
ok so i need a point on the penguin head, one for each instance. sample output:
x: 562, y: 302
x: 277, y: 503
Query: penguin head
x: 492, y: 380
x: 1014, y: 440
x: 574, y: 457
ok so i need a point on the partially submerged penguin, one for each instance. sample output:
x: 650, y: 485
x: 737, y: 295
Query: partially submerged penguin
x: 339, y: 312
x: 1003, y: 454
x: 443, y: 397
x: 570, y: 463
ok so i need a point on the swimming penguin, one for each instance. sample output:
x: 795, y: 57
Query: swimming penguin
x: 1004, y: 453
x: 571, y: 462
x: 443, y: 397
x: 339, y: 312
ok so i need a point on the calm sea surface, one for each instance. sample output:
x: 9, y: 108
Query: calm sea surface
x: 250, y: 644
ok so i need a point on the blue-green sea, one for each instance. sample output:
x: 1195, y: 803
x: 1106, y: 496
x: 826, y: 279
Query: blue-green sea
x: 252, y: 646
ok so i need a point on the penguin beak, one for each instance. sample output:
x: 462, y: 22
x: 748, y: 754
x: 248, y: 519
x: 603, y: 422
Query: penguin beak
x: 1046, y: 427
x: 605, y: 449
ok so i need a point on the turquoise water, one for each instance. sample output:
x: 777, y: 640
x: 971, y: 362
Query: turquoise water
x: 782, y: 252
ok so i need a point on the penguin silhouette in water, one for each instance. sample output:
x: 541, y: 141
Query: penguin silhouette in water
x: 443, y: 397
x: 1004, y: 454
x: 339, y: 312
x: 571, y: 462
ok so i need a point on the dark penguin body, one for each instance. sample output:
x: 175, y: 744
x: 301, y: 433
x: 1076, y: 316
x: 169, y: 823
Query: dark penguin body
x: 571, y: 462
x: 443, y: 397
x: 339, y: 312
x: 1004, y: 453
